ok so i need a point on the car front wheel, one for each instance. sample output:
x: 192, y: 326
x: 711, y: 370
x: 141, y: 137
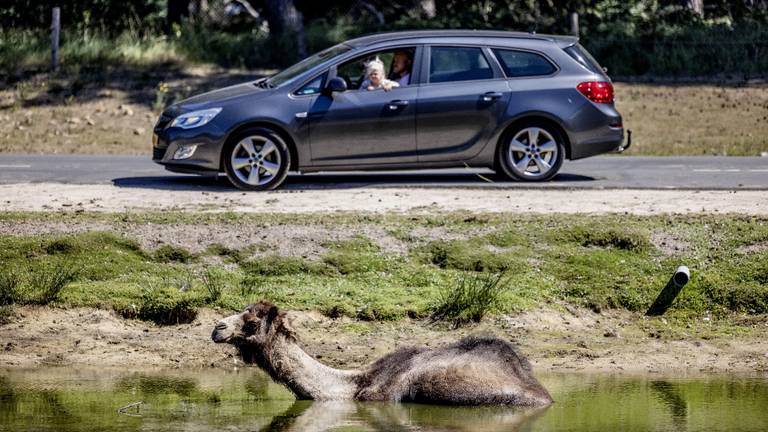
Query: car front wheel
x: 257, y: 159
x: 532, y: 152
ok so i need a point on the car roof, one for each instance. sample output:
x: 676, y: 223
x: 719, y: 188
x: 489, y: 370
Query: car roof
x: 562, y: 41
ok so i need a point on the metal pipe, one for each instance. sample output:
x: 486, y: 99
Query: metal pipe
x: 679, y: 279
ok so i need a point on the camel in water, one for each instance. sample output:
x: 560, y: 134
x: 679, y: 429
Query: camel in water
x: 472, y: 371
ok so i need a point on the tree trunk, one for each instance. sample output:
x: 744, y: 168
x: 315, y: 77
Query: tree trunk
x: 284, y: 19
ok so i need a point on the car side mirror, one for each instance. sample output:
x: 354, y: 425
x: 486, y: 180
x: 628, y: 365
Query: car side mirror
x: 336, y: 84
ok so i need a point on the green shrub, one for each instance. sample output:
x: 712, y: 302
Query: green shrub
x: 63, y: 245
x: 470, y: 298
x: 166, y: 306
x: 463, y: 255
x: 223, y: 251
x: 46, y: 282
x: 168, y: 253
x: 338, y: 310
x: 277, y: 265
x: 9, y: 286
x: 214, y: 282
x: 612, y: 237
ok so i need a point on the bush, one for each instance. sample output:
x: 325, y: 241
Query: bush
x: 48, y: 280
x: 166, y: 306
x: 339, y: 310
x: 462, y: 255
x: 470, y: 298
x: 213, y: 281
x: 9, y: 286
x: 168, y: 253
x: 615, y: 238
x: 277, y: 265
x: 223, y: 251
x: 64, y: 245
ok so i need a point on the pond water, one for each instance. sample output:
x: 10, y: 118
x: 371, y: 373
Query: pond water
x: 82, y: 399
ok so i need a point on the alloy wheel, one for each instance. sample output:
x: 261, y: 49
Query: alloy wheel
x: 256, y: 160
x: 532, y: 153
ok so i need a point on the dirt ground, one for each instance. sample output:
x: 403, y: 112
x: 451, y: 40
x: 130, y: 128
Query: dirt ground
x: 108, y: 198
x: 561, y: 338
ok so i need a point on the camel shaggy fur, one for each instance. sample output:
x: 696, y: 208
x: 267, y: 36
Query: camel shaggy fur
x: 472, y: 371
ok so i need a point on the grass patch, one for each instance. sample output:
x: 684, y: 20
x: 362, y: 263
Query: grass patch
x: 276, y: 265
x: 468, y: 255
x: 169, y: 253
x: 47, y: 281
x: 608, y: 238
x: 166, y: 306
x: 603, y: 262
x: 470, y: 298
x: 10, y: 280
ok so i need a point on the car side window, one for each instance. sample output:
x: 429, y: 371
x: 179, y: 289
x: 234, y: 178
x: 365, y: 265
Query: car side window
x: 396, y: 69
x: 523, y: 63
x: 312, y: 87
x: 458, y: 64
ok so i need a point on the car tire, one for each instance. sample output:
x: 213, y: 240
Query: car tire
x: 532, y: 151
x: 256, y: 159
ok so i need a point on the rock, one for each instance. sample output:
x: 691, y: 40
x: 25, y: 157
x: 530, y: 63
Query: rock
x: 139, y: 131
x: 73, y: 120
x: 764, y: 154
x: 611, y: 333
x: 90, y: 121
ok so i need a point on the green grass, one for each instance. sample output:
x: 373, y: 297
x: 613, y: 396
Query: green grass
x: 600, y: 262
x: 471, y: 298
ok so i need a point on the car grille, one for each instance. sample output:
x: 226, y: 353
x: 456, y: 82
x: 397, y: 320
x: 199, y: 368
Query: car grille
x: 158, y: 153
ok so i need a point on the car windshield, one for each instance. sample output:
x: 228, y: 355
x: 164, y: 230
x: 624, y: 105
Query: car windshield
x: 305, y: 65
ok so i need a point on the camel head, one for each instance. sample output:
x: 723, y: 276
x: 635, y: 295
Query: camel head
x: 255, y: 327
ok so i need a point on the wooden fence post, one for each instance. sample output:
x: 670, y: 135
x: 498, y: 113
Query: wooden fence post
x: 55, y: 30
x: 575, y: 23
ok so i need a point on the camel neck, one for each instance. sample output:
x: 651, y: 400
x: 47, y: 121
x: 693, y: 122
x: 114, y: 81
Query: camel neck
x: 305, y: 376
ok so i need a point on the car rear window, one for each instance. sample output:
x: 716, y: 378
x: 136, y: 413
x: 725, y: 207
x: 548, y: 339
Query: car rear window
x: 458, y: 64
x: 584, y: 58
x: 523, y: 63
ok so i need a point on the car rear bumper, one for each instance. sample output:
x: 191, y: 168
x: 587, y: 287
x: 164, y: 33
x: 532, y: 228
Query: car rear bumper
x: 593, y: 148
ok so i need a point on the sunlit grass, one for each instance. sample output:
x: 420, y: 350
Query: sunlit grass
x: 601, y: 262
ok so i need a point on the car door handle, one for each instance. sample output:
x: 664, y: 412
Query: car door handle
x: 397, y: 104
x: 491, y: 96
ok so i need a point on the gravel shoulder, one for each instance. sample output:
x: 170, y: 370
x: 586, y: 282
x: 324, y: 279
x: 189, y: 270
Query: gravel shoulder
x: 108, y: 198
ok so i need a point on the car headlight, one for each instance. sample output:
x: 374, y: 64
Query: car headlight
x: 195, y: 118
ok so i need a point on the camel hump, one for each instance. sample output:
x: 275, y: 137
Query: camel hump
x: 489, y: 346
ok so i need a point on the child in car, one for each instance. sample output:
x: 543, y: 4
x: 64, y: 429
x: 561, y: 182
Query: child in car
x: 374, y: 74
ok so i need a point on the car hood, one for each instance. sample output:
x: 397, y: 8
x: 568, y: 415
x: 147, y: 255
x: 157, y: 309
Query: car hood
x: 219, y: 97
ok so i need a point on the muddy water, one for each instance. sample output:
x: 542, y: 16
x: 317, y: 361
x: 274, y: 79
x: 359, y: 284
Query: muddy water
x: 78, y: 399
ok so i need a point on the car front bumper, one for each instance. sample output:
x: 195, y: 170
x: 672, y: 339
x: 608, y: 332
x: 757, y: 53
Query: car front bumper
x: 208, y: 141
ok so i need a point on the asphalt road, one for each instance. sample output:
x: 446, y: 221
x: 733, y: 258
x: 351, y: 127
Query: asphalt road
x: 605, y: 172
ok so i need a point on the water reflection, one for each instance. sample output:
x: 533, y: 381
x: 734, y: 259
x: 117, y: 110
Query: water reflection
x: 379, y: 416
x: 669, y: 396
x: 69, y: 399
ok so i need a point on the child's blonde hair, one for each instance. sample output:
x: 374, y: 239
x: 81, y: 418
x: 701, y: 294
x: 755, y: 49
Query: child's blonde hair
x: 373, y: 65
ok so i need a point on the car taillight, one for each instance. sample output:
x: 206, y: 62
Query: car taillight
x: 597, y: 91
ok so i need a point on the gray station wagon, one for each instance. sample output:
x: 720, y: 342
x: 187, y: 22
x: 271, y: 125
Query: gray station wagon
x: 518, y: 103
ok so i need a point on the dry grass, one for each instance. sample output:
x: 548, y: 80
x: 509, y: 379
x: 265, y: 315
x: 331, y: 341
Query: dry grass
x: 116, y: 116
x: 697, y: 119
